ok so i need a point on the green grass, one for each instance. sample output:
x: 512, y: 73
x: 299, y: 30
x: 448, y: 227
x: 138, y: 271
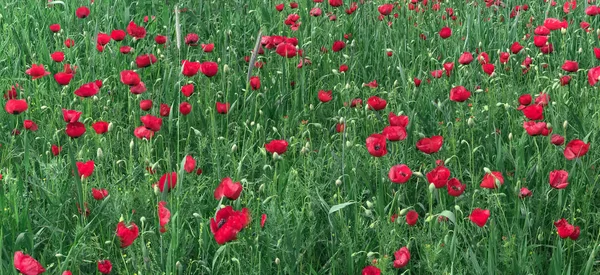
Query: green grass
x: 314, y: 225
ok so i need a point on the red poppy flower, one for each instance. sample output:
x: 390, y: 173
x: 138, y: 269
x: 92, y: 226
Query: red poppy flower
x: 209, y: 68
x: 339, y: 127
x: 100, y: 127
x: 343, y: 68
x: 191, y: 39
x: 135, y: 31
x: 373, y: 84
x: 16, y: 106
x: 104, y: 266
x: 125, y: 49
x: 130, y: 78
x: 504, y: 56
x: 575, y: 235
x: 277, y: 146
x: 534, y: 112
x: 524, y: 100
x: 190, y: 68
x: 118, y: 35
x: 315, y: 12
x: 338, y: 46
x: 11, y: 94
x: 185, y: 108
x: 127, y: 234
x: 439, y: 176
x: 187, y: 90
x: 445, y: 32
x: 75, y: 129
x: 570, y: 66
x: 535, y: 128
x: 400, y: 173
x: 411, y: 217
x: 165, y: 109
x: 488, y: 68
x: 557, y: 139
x: 524, y: 192
x: 489, y: 180
x: 455, y: 187
x: 54, y: 28
x: 57, y: 56
x: 85, y: 169
x: 103, y: 39
x: 227, y: 188
x: 160, y: 39
x: 558, y: 179
x: 394, y: 133
x: 564, y: 80
x: 401, y: 257
x: 151, y: 122
x: 69, y: 42
x: 479, y: 216
x: 37, y: 71
x: 145, y: 60
x: 376, y: 103
x: 170, y: 179
x: 555, y: 24
x: 325, y: 96
x: 466, y: 58
x: 430, y: 145
x: 222, y: 108
x: 164, y: 215
x: 87, y: 89
x: 63, y: 78
x: 376, y: 145
x: 385, y: 9
x: 99, y: 194
x: 592, y: 10
x: 576, y: 148
x: 30, y: 125
x: 190, y: 164
x: 255, y: 82
x: 263, y: 220
x: 26, y: 264
x: 287, y: 50
x: 67, y: 272
x: 142, y: 132
x: 459, y: 94
x: 82, y: 12
x: 515, y: 48
x: 228, y: 223
x: 56, y: 150
x: 207, y: 48
x: 593, y: 75
x: 396, y: 120
x: 564, y: 228
x: 70, y: 115
x: 370, y: 270
x: 140, y: 88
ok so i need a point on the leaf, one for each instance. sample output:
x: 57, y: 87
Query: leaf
x: 449, y: 215
x: 340, y: 206
x: 219, y: 251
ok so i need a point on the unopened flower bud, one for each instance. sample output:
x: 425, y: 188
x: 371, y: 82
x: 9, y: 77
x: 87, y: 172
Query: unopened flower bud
x: 510, y: 136
x: 487, y: 170
x: 369, y: 204
x: 456, y: 207
x: 338, y: 182
x: 277, y: 261
x: 431, y: 187
x: 403, y: 212
x: 470, y: 122
x: 565, y: 124
x: 234, y: 148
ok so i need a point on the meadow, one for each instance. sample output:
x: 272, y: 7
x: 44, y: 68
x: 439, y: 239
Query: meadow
x: 299, y: 137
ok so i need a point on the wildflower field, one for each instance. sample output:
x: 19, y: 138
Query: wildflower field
x: 299, y: 137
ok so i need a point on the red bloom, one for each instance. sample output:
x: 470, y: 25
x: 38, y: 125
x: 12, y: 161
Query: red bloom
x: 558, y: 179
x: 555, y: 24
x: 376, y: 145
x: 130, y: 78
x: 576, y: 148
x: 151, y: 122
x: 489, y: 180
x: 395, y: 120
x: 70, y: 115
x: 222, y: 108
x: 82, y: 12
x: 338, y: 46
x: 100, y: 127
x: 63, y: 78
x: 135, y: 31
x: 190, y: 164
x: 370, y: 270
x: 459, y: 94
x: 575, y: 235
x: 524, y: 192
x: 439, y: 176
x: 466, y: 58
x: 228, y: 223
x: 69, y: 42
x: 479, y: 216
x: 394, y: 133
x: 564, y: 229
x: 26, y: 264
x: 37, y: 71
x: 145, y: 60
x: 187, y: 90
x: 373, y: 84
x: 515, y: 48
x: 104, y: 266
x: 279, y: 7
x: 99, y: 194
x: 85, y: 169
x: 534, y: 112
x: 488, y: 68
x: 127, y: 234
x: 146, y: 104
x: 570, y: 66
x: 229, y: 189
x: 75, y: 129
x: 57, y: 56
x: 255, y: 82
x: 164, y: 215
x: 557, y: 139
x: 164, y: 109
x: 263, y: 220
x: 16, y: 106
x: 376, y: 103
x: 54, y: 28
x: 142, y: 132
x: 170, y: 179
x: 160, y: 39
x: 277, y: 146
x: 325, y: 96
x: 118, y: 35
x: 593, y: 75
x: 56, y: 150
x: 536, y: 128
x: 207, y: 48
x: 191, y: 39
x: 402, y: 257
x: 103, y: 38
x: 411, y: 217
x: 400, y: 173
x: 445, y: 32
x: 209, y: 68
x: 286, y: 50
x: 125, y: 49
x: 564, y: 80
x: 190, y: 68
x: 343, y: 68
x: 455, y: 187
x: 504, y: 56
x: 87, y: 89
x: 430, y: 145
x: 30, y: 125
x: 185, y: 108
x: 385, y: 9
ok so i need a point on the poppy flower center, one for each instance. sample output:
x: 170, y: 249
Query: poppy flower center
x: 221, y: 223
x: 377, y: 147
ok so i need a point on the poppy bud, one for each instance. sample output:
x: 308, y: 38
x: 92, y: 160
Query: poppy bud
x: 429, y: 218
x: 143, y: 219
x: 261, y: 188
x: 563, y: 30
x: 156, y: 190
x: 510, y: 136
x: 121, y: 219
x: 369, y: 213
x: 311, y: 107
x: 470, y: 122
x: 565, y: 124
x: 99, y: 153
x: 277, y: 261
x: 418, y: 174
x: 456, y: 207
x: 403, y: 212
x: 431, y: 187
x: 197, y: 216
x: 548, y: 125
x: 131, y: 144
x: 276, y: 156
x: 234, y: 148
x: 371, y: 254
x: 487, y: 170
x: 348, y: 143
x: 58, y: 255
x: 179, y: 267
x: 338, y: 182
x: 369, y: 204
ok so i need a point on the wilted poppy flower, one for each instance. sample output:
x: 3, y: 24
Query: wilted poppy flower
x: 229, y: 189
x: 465, y: 58
x: 130, y: 78
x: 277, y: 146
x: 30, y: 125
x: 145, y: 60
x: 430, y: 145
x: 411, y: 217
x: 222, y: 108
x: 100, y: 127
x: 191, y: 39
x: 489, y: 180
x: 524, y: 192
x: 69, y: 42
x: 82, y: 12
x: 557, y: 139
x: 11, y: 94
x: 85, y: 169
x: 437, y: 73
x: 455, y: 187
x: 558, y: 179
x: 140, y: 88
x: 255, y: 82
x: 26, y: 264
x: 376, y: 103
x: 575, y: 235
x: 316, y: 12
x: 190, y: 164
x: 104, y: 266
x: 370, y: 270
x: 400, y: 173
x: 209, y: 68
x: 402, y: 256
x: 445, y: 32
x: 54, y: 28
x: 376, y: 145
x: 536, y: 128
x: 479, y: 216
x: 564, y: 80
x: 576, y: 148
x: 143, y: 132
x: 164, y: 215
x: 125, y: 49
x: 16, y: 106
x: 228, y: 223
x: 459, y: 94
x: 37, y: 71
x: 534, y: 112
x: 75, y: 129
x: 57, y: 56
x: 127, y: 234
x: 373, y: 84
x: 135, y: 31
x: 99, y: 194
x: 87, y: 89
x: 55, y: 150
x: 151, y: 122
